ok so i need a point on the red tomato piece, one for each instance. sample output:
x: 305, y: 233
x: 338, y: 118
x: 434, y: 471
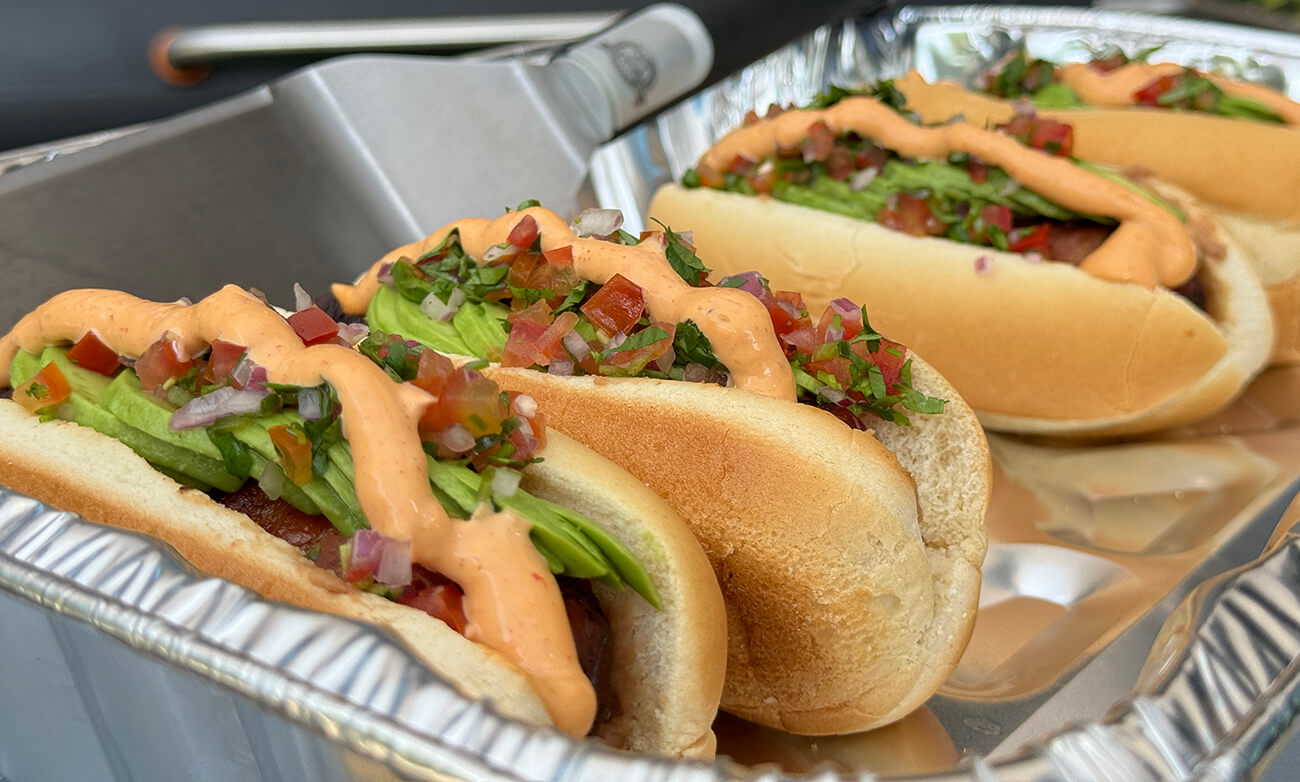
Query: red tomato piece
x: 741, y: 165
x: 467, y: 398
x: 911, y: 215
x: 617, y: 306
x: 521, y: 345
x: 851, y: 322
x: 443, y: 601
x: 294, y: 451
x: 819, y: 143
x: 978, y: 172
x: 1035, y: 239
x: 870, y: 156
x: 1109, y: 63
x: 711, y: 178
x: 90, y: 353
x: 524, y: 233
x: 836, y: 366
x: 161, y: 362
x: 1054, y: 138
x: 785, y: 308
x: 222, y: 359
x: 432, y: 372
x: 1150, y: 94
x: 560, y: 255
x: 313, y: 326
x: 839, y: 163
x: 995, y: 215
x: 549, y: 342
x: 521, y: 268
x: 763, y: 180
x: 538, y: 312
x: 45, y: 389
x: 891, y: 365
x: 634, y: 361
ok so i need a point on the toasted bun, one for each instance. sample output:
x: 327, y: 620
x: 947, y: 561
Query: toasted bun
x: 1274, y: 247
x: 77, y: 469
x: 1033, y: 347
x: 850, y: 585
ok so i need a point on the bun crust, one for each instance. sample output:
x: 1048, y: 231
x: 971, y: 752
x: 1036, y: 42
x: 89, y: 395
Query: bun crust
x: 850, y: 587
x: 1033, y: 347
x: 659, y: 651
x: 1274, y: 247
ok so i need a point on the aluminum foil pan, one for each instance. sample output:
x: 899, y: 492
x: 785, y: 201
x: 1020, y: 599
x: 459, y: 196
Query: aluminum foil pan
x: 152, y: 671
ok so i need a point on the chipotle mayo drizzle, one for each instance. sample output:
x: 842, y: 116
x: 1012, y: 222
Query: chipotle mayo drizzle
x: 1117, y: 87
x: 512, y: 600
x: 1150, y: 246
x: 737, y: 324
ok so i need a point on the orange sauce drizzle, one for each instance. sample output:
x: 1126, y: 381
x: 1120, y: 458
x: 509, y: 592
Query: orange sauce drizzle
x: 512, y: 601
x: 1118, y: 87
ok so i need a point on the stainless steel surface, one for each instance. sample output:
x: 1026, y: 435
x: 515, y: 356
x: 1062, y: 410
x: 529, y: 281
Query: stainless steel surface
x: 192, y: 46
x: 297, y: 182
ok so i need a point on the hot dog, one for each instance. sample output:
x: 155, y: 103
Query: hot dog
x: 849, y: 562
x: 1154, y: 319
x: 1231, y: 144
x: 292, y: 442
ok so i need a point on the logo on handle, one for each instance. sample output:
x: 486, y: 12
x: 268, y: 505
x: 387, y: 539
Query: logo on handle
x: 634, y: 65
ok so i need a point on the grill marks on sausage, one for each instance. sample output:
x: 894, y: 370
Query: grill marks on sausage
x: 432, y: 592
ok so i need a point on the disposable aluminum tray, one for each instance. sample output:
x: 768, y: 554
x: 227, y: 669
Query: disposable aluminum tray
x: 119, y: 662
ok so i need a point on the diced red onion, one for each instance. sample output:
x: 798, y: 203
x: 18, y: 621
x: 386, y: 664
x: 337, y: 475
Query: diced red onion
x: 385, y: 276
x: 576, y: 344
x: 505, y: 483
x: 257, y: 381
x: 185, y: 301
x: 598, y: 222
x: 496, y: 251
x: 365, y: 551
x: 962, y: 209
x: 753, y: 283
x: 388, y: 559
x: 242, y: 374
x: 203, y: 410
x: 353, y: 333
x: 834, y: 333
x: 983, y: 263
x: 301, y: 298
x: 271, y: 481
x: 687, y: 238
x: 560, y: 367
x: 456, y: 438
x: 787, y: 308
x: 861, y: 179
x: 524, y: 405
x: 436, y: 309
x: 616, y: 340
x: 891, y: 200
x: 845, y: 308
x: 1033, y: 256
x: 1025, y: 107
x: 257, y: 293
x: 311, y: 404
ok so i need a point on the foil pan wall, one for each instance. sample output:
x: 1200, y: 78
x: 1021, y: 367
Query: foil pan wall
x: 119, y: 662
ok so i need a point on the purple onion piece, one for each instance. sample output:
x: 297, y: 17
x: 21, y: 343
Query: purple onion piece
x: 353, y: 333
x: 598, y: 222
x: 311, y: 405
x: 367, y: 548
x: 394, y: 562
x: 301, y: 298
x: 456, y: 438
x: 576, y: 345
x: 204, y: 410
x: 752, y: 283
x: 385, y: 276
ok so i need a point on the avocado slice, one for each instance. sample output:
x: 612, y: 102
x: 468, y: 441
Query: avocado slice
x: 392, y: 313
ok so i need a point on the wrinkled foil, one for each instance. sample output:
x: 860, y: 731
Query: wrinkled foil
x: 290, y: 694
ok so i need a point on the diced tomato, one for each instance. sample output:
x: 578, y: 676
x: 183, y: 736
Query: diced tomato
x: 911, y: 215
x: 741, y: 165
x: 1109, y: 63
x: 222, y: 359
x: 1054, y: 138
x: 617, y: 306
x: 1035, y: 239
x: 524, y: 233
x: 711, y: 178
x: 763, y: 180
x: 294, y: 451
x: 804, y: 339
x: 521, y: 268
x: 819, y: 142
x: 851, y: 322
x: 529, y: 438
x: 839, y: 163
x: 560, y: 255
x: 467, y: 398
x: 891, y: 365
x: 549, y: 342
x: 538, y: 312
x: 1150, y: 94
x: 633, y: 361
x: 979, y: 173
x: 521, y: 345
x: 870, y: 156
x: 836, y: 366
x: 443, y: 601
x: 46, y: 388
x: 313, y: 326
x: 161, y: 362
x: 557, y: 277
x: 433, y: 371
x: 91, y: 353
x: 994, y: 215
x: 784, y: 320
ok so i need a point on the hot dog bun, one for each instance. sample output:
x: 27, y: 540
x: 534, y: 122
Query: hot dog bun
x: 669, y: 662
x: 1247, y: 172
x: 1034, y: 347
x: 849, y: 563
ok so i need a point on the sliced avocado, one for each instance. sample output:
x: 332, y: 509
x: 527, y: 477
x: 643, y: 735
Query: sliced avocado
x: 174, y: 457
x: 482, y: 327
x: 83, y: 381
x: 181, y: 478
x: 126, y: 399
x: 23, y: 368
x: 392, y: 313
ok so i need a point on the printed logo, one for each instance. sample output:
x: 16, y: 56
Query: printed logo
x: 635, y: 65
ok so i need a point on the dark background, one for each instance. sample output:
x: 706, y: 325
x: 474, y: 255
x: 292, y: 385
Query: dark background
x: 69, y: 67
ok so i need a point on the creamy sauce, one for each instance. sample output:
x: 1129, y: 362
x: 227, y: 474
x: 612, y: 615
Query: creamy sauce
x: 1117, y: 87
x: 512, y: 601
x: 737, y: 324
x: 1149, y: 248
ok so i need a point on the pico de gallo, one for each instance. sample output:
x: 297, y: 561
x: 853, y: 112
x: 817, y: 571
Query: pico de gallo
x: 545, y: 317
x: 1022, y: 76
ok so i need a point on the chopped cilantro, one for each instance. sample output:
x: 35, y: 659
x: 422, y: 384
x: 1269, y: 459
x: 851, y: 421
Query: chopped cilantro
x: 685, y: 262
